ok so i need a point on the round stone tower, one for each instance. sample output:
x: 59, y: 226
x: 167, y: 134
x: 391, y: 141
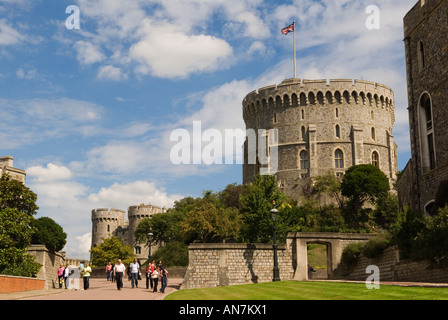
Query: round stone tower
x: 317, y: 126
x: 104, y: 224
x: 135, y: 215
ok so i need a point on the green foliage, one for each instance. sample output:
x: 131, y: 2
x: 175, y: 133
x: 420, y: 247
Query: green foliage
x: 386, y: 211
x: 257, y: 202
x: 15, y: 195
x: 17, y: 207
x: 432, y: 240
x: 351, y: 252
x: 48, y: 233
x: 375, y: 246
x: 362, y: 183
x: 173, y: 254
x: 404, y: 231
x: 111, y: 250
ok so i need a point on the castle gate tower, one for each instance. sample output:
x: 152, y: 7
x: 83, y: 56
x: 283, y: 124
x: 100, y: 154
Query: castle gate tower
x: 135, y: 215
x: 321, y: 125
x: 104, y: 224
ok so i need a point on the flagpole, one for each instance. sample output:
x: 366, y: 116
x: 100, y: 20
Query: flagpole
x: 294, y: 35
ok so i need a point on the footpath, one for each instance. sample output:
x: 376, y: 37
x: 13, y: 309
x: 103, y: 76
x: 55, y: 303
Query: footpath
x: 100, y: 289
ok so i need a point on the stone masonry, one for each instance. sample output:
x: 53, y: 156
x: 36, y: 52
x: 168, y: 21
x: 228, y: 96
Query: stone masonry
x: 426, y: 44
x: 322, y: 126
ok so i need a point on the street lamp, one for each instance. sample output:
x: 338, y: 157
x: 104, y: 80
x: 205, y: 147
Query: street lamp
x: 150, y: 236
x: 274, y: 213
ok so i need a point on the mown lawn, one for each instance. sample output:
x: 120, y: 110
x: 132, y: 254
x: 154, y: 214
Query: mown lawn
x: 295, y: 290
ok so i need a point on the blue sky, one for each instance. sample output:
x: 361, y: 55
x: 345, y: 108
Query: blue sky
x: 88, y: 112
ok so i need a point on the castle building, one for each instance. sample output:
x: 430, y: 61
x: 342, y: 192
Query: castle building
x: 112, y: 223
x: 321, y: 125
x: 6, y: 167
x: 426, y: 45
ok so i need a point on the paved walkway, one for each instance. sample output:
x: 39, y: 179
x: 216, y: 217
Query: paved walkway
x: 100, y: 289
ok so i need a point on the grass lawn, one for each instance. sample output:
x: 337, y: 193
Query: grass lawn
x: 309, y: 290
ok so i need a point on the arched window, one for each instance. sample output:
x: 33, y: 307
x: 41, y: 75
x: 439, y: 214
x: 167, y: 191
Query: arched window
x: 303, y: 130
x: 338, y: 131
x: 304, y: 160
x: 375, y: 159
x: 428, y: 152
x: 338, y: 159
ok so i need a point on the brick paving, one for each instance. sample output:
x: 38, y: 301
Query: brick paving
x: 100, y: 289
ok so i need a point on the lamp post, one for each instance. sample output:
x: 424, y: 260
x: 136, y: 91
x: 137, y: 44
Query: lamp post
x: 274, y: 213
x: 150, y: 236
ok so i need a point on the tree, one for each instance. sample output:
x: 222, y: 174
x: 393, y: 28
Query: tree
x: 111, y: 250
x: 330, y: 184
x: 363, y: 183
x: 49, y: 233
x: 17, y: 207
x: 257, y: 202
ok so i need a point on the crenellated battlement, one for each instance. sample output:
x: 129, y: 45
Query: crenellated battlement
x: 292, y: 93
x: 106, y: 214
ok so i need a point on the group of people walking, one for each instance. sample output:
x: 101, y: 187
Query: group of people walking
x: 64, y: 274
x: 153, y: 272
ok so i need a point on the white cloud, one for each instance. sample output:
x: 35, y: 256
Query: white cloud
x: 111, y: 73
x: 8, y: 35
x: 167, y: 52
x: 52, y: 172
x: 88, y: 53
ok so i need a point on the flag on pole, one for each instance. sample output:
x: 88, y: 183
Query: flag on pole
x: 288, y: 29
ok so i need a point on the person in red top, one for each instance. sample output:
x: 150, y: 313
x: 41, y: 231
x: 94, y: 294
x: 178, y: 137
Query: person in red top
x: 149, y: 271
x: 108, y: 271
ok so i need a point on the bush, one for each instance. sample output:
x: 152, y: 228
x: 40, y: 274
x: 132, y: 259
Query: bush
x: 351, y: 252
x: 375, y: 246
x: 174, y: 254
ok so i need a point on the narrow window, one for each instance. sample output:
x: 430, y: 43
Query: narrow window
x: 338, y: 159
x: 304, y: 160
x: 373, y: 134
x: 428, y: 152
x: 108, y: 228
x: 421, y: 56
x: 338, y: 131
x: 337, y: 113
x: 303, y: 114
x: 303, y: 133
x: 375, y: 159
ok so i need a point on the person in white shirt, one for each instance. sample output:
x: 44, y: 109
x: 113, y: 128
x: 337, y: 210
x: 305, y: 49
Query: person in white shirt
x: 119, y: 270
x: 135, y: 270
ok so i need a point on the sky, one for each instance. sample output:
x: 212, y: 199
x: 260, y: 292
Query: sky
x: 91, y: 91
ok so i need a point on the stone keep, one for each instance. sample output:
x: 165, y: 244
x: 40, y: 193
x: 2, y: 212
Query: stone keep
x: 322, y: 125
x: 426, y: 45
x: 6, y: 167
x: 112, y: 223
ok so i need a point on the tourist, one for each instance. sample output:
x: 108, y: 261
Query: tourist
x: 155, y: 279
x: 109, y: 271
x: 119, y: 271
x: 135, y: 270
x: 149, y: 270
x: 163, y: 279
x: 61, y: 270
x: 86, y: 275
x: 66, y: 275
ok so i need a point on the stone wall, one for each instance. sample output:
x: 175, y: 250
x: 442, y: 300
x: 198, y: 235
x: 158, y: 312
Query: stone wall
x: 392, y: 269
x: 213, y: 265
x: 50, y: 263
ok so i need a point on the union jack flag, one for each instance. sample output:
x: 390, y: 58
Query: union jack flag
x: 288, y: 29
